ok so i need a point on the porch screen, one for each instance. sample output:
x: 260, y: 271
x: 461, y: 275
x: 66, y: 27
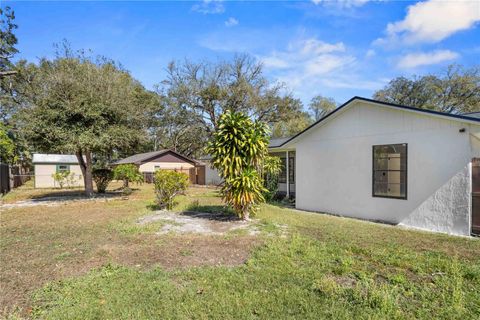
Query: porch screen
x: 390, y: 171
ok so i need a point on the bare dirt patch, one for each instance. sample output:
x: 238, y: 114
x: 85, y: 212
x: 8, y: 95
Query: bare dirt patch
x: 40, y: 244
x: 199, y: 223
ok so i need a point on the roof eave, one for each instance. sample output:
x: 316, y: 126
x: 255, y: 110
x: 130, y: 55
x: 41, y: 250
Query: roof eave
x: 469, y: 120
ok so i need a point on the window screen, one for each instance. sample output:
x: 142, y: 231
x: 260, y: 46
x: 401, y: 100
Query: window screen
x: 390, y: 171
x: 282, y: 177
x: 291, y: 170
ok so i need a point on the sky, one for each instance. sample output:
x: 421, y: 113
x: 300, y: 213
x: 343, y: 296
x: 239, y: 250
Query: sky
x: 336, y: 49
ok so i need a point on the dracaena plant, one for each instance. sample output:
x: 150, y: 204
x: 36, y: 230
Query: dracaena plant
x: 238, y: 149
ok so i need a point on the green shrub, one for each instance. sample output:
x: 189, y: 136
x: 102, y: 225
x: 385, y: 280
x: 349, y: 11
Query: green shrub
x: 272, y: 166
x: 102, y: 178
x: 168, y: 184
x: 63, y: 178
x: 128, y: 173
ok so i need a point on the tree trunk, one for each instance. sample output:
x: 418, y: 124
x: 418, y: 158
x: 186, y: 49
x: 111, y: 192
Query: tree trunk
x: 86, y: 167
x: 246, y: 215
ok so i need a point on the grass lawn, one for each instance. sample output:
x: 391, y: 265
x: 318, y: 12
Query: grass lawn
x: 91, y: 260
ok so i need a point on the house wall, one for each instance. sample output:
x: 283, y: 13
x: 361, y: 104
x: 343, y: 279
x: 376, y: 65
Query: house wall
x: 334, y: 168
x: 44, y: 172
x: 212, y: 176
x: 150, y: 166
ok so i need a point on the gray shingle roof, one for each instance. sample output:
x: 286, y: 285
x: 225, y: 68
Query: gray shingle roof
x: 144, y: 157
x: 138, y: 158
x: 54, y: 158
x: 472, y: 115
x: 277, y: 142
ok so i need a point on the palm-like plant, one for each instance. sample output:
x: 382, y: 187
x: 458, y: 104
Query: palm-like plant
x: 238, y: 148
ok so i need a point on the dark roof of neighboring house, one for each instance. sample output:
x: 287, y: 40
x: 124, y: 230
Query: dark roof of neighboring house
x: 469, y: 117
x: 277, y: 142
x: 147, y: 156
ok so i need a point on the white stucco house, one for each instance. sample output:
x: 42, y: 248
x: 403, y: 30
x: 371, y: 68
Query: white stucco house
x: 385, y: 162
x: 45, y: 165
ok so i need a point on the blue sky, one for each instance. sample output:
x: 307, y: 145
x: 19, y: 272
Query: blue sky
x: 337, y: 49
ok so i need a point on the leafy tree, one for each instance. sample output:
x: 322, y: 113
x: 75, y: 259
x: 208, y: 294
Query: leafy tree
x: 8, y: 40
x: 174, y: 128
x: 102, y: 178
x: 297, y: 122
x: 272, y: 166
x: 7, y: 147
x: 238, y: 148
x: 80, y: 105
x: 320, y: 106
x: 208, y: 89
x: 169, y: 184
x: 456, y: 91
x: 128, y: 173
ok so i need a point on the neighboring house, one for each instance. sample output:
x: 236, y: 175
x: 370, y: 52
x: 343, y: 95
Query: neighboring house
x: 386, y: 162
x: 45, y: 165
x: 212, y: 176
x: 166, y: 159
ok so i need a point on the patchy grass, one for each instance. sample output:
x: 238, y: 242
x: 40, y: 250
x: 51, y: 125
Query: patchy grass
x: 91, y: 261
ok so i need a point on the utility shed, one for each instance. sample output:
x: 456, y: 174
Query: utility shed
x: 45, y: 165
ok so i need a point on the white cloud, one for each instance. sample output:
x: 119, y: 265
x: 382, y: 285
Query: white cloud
x: 231, y: 22
x: 432, y: 21
x: 312, y: 56
x: 342, y: 3
x: 413, y: 60
x: 370, y: 53
x: 209, y: 7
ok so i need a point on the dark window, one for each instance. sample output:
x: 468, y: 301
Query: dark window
x: 291, y: 170
x: 282, y: 178
x: 390, y: 171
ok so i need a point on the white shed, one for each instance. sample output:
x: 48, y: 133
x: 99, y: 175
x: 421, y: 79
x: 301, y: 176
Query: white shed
x: 391, y: 163
x: 45, y: 165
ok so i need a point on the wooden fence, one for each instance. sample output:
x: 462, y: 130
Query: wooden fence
x: 11, y: 177
x: 4, y: 178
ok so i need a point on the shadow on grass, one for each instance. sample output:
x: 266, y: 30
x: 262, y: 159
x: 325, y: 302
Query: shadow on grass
x: 210, y: 212
x: 66, y: 195
x: 284, y: 204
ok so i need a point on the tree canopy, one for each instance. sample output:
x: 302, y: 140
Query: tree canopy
x: 197, y: 93
x: 8, y: 40
x: 320, y: 106
x: 456, y: 91
x: 81, y: 105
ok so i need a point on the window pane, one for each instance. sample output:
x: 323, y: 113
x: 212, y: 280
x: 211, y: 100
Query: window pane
x: 291, y: 170
x: 390, y: 189
x: 63, y: 167
x: 282, y: 178
x: 389, y: 170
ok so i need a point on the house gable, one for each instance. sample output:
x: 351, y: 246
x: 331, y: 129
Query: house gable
x: 169, y: 156
x: 465, y: 120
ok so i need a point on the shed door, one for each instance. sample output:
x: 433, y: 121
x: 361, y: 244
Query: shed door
x: 476, y: 196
